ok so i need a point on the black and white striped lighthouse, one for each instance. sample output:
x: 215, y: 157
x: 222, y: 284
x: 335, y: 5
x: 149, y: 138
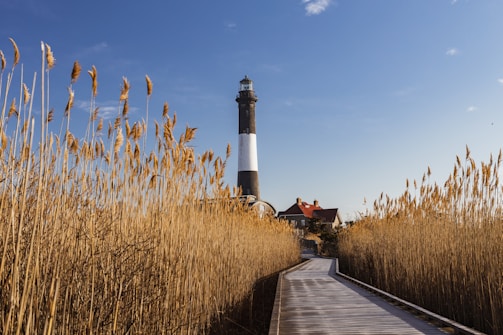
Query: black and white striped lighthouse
x: 247, y: 151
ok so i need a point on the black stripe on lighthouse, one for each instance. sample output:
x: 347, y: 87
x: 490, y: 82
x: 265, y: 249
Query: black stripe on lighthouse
x: 247, y: 151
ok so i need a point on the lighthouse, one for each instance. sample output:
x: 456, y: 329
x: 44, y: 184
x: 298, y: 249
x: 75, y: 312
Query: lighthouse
x: 247, y: 150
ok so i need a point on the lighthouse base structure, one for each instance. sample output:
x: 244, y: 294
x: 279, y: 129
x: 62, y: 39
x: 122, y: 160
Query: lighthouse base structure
x: 248, y: 181
x: 262, y: 208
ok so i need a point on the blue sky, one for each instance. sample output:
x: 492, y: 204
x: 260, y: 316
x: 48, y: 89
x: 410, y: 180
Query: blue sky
x: 355, y: 96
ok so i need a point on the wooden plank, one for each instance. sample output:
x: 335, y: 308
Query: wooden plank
x: 310, y: 301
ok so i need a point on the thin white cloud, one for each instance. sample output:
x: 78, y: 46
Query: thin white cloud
x: 452, y: 52
x: 98, y: 47
x: 500, y: 80
x: 315, y: 7
x: 231, y: 25
x: 472, y: 109
x: 107, y: 110
x: 453, y: 2
x: 92, y: 50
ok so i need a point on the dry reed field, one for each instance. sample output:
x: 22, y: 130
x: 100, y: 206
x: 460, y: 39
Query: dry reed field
x: 439, y: 246
x: 102, y: 235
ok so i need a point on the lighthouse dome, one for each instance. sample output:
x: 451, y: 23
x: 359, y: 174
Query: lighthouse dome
x: 246, y: 84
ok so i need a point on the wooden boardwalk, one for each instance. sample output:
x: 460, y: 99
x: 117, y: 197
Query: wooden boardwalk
x: 309, y: 300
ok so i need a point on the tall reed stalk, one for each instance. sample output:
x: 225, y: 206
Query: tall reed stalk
x: 120, y: 240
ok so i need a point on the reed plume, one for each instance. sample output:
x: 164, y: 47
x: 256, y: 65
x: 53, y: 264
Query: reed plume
x: 125, y: 108
x: 124, y: 89
x: 94, y: 115
x: 93, y: 73
x: 12, y: 108
x: 118, y: 141
x: 149, y: 85
x: 165, y: 110
x: 16, y: 52
x: 76, y: 72
x: 26, y: 94
x: 149, y: 93
x: 49, y: 57
x: 69, y: 104
x: 3, y: 61
x: 228, y: 151
x: 117, y: 122
x: 4, y: 140
x: 50, y: 116
x: 99, y: 127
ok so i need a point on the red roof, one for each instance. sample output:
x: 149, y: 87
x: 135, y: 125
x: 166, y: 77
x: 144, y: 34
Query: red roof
x: 303, y: 208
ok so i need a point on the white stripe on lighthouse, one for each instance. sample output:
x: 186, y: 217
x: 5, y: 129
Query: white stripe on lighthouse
x: 247, y: 160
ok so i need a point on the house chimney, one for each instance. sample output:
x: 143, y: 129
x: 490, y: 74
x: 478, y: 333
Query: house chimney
x: 299, y: 201
x: 316, y: 204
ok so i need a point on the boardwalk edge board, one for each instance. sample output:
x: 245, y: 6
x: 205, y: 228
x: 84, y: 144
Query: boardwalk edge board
x: 458, y: 328
x: 275, y: 316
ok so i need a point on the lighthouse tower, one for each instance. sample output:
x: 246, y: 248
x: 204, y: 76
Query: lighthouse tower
x: 247, y: 153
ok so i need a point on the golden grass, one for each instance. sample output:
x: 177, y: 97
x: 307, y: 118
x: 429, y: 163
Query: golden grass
x: 121, y: 240
x: 149, y: 85
x: 76, y: 72
x: 3, y: 61
x: 16, y: 52
x: 440, y: 247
